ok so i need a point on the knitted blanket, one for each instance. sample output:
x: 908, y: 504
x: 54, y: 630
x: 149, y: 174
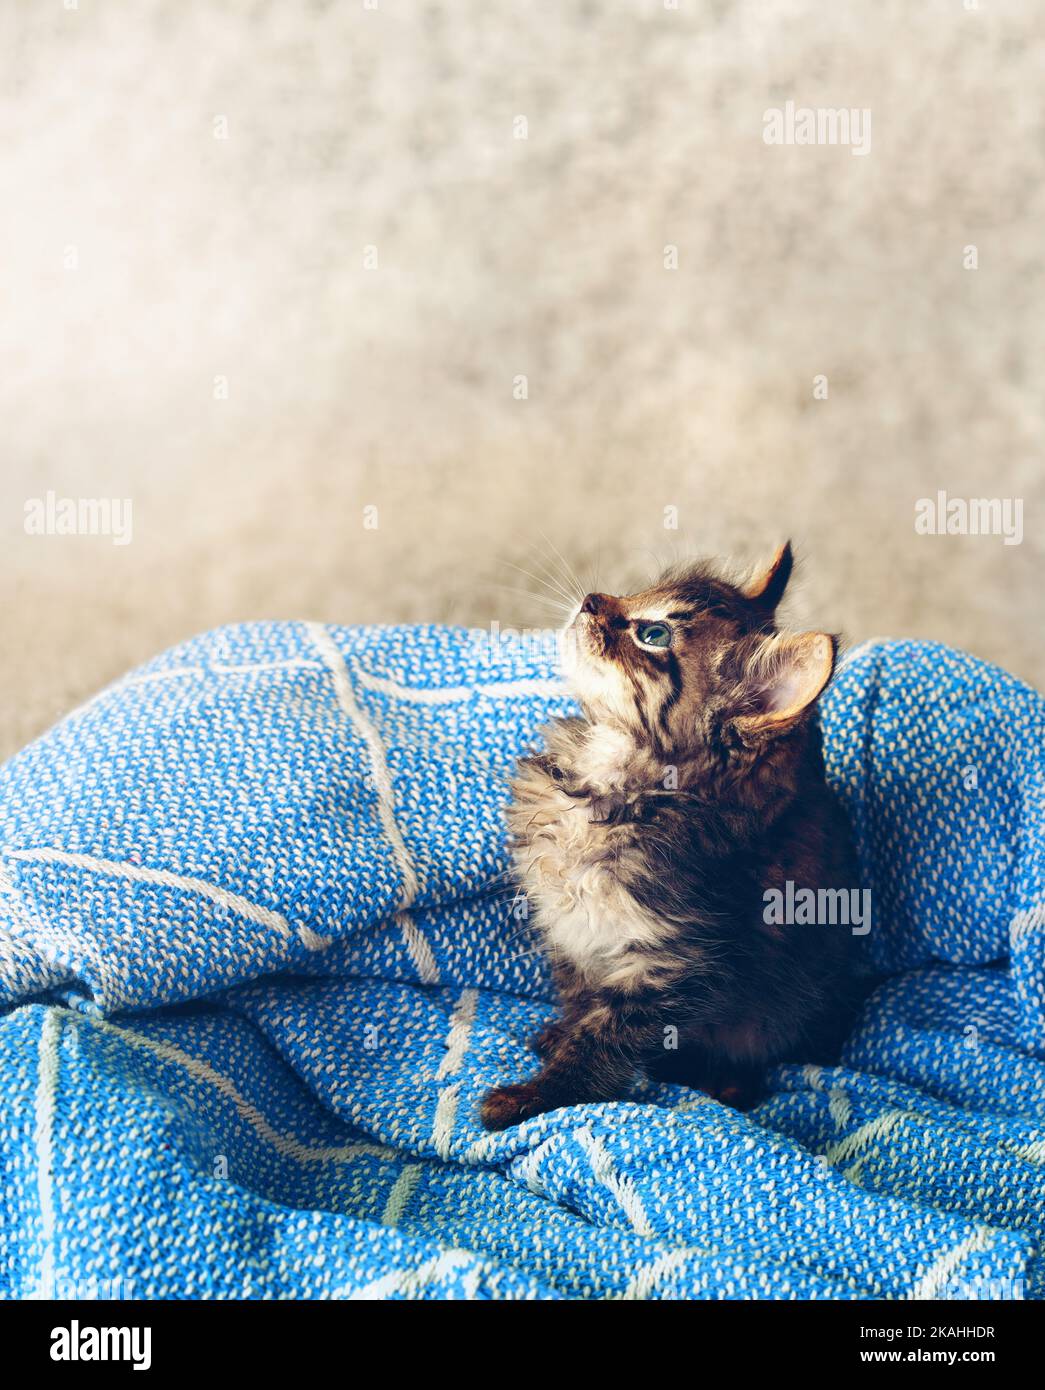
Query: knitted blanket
x: 260, y: 957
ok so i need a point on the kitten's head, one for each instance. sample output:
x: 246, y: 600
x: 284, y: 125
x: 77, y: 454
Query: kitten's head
x: 694, y: 665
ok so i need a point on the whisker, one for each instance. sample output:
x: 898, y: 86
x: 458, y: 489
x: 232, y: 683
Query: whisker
x: 544, y: 582
x: 568, y: 571
x: 555, y: 573
x: 594, y: 571
x: 552, y: 575
x: 555, y: 603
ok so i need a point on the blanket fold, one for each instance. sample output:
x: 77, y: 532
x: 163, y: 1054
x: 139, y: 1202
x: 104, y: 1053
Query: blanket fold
x: 260, y: 956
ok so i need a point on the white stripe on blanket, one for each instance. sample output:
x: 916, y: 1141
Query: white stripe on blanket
x: 138, y: 873
x: 623, y: 1189
x: 285, y: 1144
x: 378, y: 763
x: 940, y: 1272
x: 46, y: 1087
x: 535, y: 688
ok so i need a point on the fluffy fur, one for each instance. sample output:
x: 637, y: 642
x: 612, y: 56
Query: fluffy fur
x: 648, y: 830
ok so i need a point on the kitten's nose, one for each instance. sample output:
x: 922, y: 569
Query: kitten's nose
x: 592, y: 603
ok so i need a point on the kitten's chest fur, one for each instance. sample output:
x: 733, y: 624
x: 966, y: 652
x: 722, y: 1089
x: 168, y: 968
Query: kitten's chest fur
x: 581, y: 854
x: 641, y: 891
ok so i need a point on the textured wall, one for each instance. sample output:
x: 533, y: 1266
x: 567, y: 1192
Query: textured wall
x: 141, y: 258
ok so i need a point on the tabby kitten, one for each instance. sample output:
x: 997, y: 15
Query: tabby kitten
x: 648, y: 831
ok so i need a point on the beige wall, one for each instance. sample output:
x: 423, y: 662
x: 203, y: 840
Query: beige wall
x: 243, y: 258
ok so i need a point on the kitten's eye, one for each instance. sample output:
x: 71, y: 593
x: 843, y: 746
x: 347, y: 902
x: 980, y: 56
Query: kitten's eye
x: 654, y: 635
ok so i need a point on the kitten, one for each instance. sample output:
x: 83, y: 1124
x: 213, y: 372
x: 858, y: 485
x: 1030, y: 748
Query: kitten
x: 647, y: 834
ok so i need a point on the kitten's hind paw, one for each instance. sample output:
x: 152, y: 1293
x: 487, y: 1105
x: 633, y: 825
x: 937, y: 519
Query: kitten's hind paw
x: 743, y: 1094
x: 509, y: 1105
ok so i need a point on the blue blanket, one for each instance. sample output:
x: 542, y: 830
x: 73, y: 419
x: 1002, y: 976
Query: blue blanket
x: 260, y: 957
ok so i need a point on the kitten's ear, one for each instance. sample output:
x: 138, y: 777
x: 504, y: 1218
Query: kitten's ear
x: 787, y: 674
x: 767, y: 588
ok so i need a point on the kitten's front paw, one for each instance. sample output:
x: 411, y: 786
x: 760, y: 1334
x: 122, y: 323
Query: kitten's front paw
x: 509, y: 1105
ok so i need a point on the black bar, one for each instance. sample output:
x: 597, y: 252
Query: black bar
x: 276, y: 1337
